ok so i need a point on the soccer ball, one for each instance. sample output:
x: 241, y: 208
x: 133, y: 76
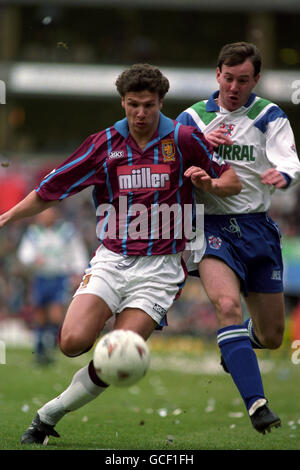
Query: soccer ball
x: 121, y: 358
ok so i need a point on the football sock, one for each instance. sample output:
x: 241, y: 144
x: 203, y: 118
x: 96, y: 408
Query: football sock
x: 39, y: 346
x: 53, y: 331
x: 85, y: 387
x: 253, y: 338
x: 241, y: 362
x: 45, y: 340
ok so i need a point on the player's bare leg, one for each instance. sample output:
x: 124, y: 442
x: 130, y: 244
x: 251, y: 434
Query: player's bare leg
x: 238, y: 358
x: 267, y: 314
x: 85, y: 319
x: 223, y: 289
x: 85, y: 385
x: 136, y: 320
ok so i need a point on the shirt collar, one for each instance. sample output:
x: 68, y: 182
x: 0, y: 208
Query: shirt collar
x: 165, y: 126
x: 212, y: 106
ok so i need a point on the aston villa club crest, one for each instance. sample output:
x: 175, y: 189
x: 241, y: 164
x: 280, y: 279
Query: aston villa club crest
x: 85, y: 280
x: 214, y: 242
x: 168, y: 150
x: 228, y: 127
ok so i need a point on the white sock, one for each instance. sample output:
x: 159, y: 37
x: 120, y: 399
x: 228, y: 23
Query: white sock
x: 81, y: 391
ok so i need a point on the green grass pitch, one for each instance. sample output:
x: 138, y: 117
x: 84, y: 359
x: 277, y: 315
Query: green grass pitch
x: 185, y: 402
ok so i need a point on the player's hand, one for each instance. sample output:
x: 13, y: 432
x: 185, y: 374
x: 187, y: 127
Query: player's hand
x: 273, y: 177
x: 199, y: 178
x: 218, y: 137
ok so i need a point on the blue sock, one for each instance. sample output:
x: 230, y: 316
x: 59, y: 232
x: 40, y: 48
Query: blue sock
x: 253, y: 338
x: 241, y: 362
x: 52, y: 332
x: 39, y: 340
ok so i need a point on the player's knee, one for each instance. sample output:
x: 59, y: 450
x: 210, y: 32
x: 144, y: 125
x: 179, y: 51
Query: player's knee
x: 72, y: 344
x: 273, y: 339
x: 228, y: 310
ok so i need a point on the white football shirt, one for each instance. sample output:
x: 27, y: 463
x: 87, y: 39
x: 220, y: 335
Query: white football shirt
x: 262, y: 138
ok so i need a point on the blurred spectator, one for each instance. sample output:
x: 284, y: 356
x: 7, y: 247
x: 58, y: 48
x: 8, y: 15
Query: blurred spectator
x: 54, y: 253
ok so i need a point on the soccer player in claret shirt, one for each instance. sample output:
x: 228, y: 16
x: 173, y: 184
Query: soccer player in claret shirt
x: 141, y: 162
x: 243, y: 252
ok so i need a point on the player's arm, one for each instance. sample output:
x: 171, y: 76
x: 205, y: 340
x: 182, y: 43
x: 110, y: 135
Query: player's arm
x: 228, y: 183
x: 207, y: 170
x: 281, y: 152
x: 31, y: 205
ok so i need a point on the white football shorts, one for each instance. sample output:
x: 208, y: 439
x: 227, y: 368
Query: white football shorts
x: 150, y: 283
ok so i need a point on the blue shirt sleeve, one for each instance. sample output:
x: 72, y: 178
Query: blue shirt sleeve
x: 287, y: 177
x: 186, y: 119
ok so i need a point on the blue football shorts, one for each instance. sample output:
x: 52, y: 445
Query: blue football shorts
x: 251, y: 245
x: 48, y: 290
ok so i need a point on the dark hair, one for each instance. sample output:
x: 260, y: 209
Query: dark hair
x: 140, y: 77
x: 236, y: 53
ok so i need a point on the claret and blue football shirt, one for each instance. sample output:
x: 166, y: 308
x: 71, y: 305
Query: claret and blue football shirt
x: 135, y: 188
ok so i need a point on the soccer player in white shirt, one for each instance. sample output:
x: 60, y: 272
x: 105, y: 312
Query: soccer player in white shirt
x: 243, y: 252
x: 56, y: 256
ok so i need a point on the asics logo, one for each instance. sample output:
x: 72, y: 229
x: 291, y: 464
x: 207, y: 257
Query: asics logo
x: 116, y: 154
